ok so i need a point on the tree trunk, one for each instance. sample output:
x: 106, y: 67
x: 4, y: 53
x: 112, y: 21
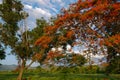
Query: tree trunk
x: 21, y: 70
x: 29, y: 65
x: 20, y: 74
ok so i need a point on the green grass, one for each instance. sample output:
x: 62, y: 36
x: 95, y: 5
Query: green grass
x: 58, y: 76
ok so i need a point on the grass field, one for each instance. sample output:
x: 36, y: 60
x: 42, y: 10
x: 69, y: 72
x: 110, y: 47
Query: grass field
x: 59, y: 76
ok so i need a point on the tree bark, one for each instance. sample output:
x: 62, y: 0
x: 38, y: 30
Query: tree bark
x: 20, y: 74
x: 22, y: 67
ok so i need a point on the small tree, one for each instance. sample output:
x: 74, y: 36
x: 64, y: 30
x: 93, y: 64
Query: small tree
x: 25, y: 48
x: 19, y: 38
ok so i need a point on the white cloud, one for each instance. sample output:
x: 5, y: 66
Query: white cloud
x: 68, y: 47
x: 27, y: 6
x: 53, y: 49
x: 41, y: 11
x: 37, y: 11
x: 54, y: 5
x: 60, y: 49
x: 43, y: 8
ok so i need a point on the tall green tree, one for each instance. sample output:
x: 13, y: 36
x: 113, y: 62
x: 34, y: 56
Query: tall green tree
x: 25, y: 49
x: 18, y: 38
x: 11, y: 14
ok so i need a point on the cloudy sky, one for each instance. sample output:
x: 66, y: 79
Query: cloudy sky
x: 43, y: 8
x: 37, y: 9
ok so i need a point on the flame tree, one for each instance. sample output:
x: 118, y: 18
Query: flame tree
x: 92, y: 23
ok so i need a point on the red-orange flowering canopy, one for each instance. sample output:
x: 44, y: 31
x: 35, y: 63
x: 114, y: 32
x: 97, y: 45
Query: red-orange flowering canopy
x: 89, y: 22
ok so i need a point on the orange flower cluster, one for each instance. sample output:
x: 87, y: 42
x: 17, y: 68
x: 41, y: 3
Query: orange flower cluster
x: 66, y: 17
x: 52, y: 55
x: 104, y: 64
x: 112, y: 41
x: 37, y: 56
x: 98, y: 7
x: 116, y: 6
x: 97, y: 12
x: 50, y: 29
x: 62, y: 38
x: 43, y: 41
x: 116, y: 10
x: 70, y: 34
x: 89, y: 4
x: 81, y: 5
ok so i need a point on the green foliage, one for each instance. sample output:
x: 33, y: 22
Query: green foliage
x: 10, y: 11
x: 114, y: 65
x: 71, y: 70
x: 89, y: 70
x: 38, y: 31
x: 2, y: 53
x: 82, y: 70
x: 34, y: 34
x: 10, y: 14
x: 58, y: 76
x: 113, y: 59
x: 77, y: 60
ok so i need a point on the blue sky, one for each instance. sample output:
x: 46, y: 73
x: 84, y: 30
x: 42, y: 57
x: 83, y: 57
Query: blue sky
x: 43, y: 8
x: 36, y: 10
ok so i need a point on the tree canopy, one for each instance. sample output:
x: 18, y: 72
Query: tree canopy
x: 92, y: 23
